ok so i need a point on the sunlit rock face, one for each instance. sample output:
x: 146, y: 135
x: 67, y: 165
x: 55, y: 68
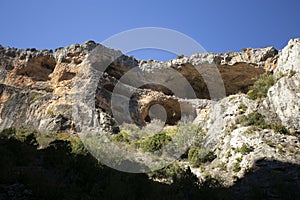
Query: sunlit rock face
x: 37, y: 90
x: 48, y: 77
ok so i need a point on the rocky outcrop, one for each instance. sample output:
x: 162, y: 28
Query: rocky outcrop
x: 207, y: 75
x: 37, y: 90
x: 52, y: 74
x: 284, y: 97
x: 227, y: 136
x: 237, y: 147
x: 36, y: 86
x: 289, y: 59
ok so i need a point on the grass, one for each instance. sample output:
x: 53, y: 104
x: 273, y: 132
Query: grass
x: 20, y: 134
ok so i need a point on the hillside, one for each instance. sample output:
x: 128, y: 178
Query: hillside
x: 229, y: 124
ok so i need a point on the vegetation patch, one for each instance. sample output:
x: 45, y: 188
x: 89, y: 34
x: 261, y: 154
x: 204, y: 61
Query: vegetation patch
x: 256, y: 120
x: 260, y: 88
x: 237, y: 167
x: 253, y: 119
x: 242, y: 108
x: 122, y: 136
x: 196, y: 156
x: 37, y: 97
x: 155, y: 142
x: 279, y: 128
x: 50, y: 113
x: 244, y: 149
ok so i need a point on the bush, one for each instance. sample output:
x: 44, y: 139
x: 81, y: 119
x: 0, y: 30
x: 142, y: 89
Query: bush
x: 122, y: 136
x: 155, y: 142
x: 236, y: 167
x: 171, y: 172
x: 21, y: 134
x: 196, y: 156
x: 180, y: 56
x: 7, y: 132
x: 244, y: 149
x: 256, y: 120
x: 278, y: 128
x: 292, y: 73
x: 253, y: 119
x: 50, y: 113
x: 242, y: 108
x: 37, y: 97
x: 261, y: 87
x: 77, y: 146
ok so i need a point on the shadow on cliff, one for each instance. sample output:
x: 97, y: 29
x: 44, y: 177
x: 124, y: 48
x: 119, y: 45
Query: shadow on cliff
x: 57, y: 173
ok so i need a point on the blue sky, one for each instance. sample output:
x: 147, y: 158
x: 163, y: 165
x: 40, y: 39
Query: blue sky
x: 219, y: 26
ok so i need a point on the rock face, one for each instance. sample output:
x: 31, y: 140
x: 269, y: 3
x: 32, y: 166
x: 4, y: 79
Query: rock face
x: 37, y: 89
x: 36, y: 86
x: 284, y: 96
x: 289, y: 59
x: 284, y: 100
x: 237, y: 147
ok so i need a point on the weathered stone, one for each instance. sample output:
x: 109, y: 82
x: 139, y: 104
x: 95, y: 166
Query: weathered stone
x: 289, y: 60
x: 38, y: 87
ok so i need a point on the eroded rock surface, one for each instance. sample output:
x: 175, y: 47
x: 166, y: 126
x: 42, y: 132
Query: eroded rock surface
x: 37, y: 88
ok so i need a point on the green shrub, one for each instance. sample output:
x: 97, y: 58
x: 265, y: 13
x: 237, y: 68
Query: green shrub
x: 122, y: 136
x: 292, y: 73
x: 239, y: 159
x: 242, y: 108
x: 279, y: 128
x: 236, y: 167
x: 244, y: 149
x: 256, y: 120
x: 271, y: 143
x: 7, y: 132
x: 155, y: 142
x: 50, y: 113
x: 196, y: 156
x: 253, y: 119
x: 23, y: 134
x: 261, y: 86
x: 171, y: 172
x: 180, y: 56
x: 37, y: 97
x: 77, y: 146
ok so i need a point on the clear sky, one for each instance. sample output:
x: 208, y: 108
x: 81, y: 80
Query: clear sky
x: 219, y: 26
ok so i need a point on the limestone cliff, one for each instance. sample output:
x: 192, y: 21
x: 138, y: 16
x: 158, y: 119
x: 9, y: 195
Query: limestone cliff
x: 37, y: 88
x: 39, y: 83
